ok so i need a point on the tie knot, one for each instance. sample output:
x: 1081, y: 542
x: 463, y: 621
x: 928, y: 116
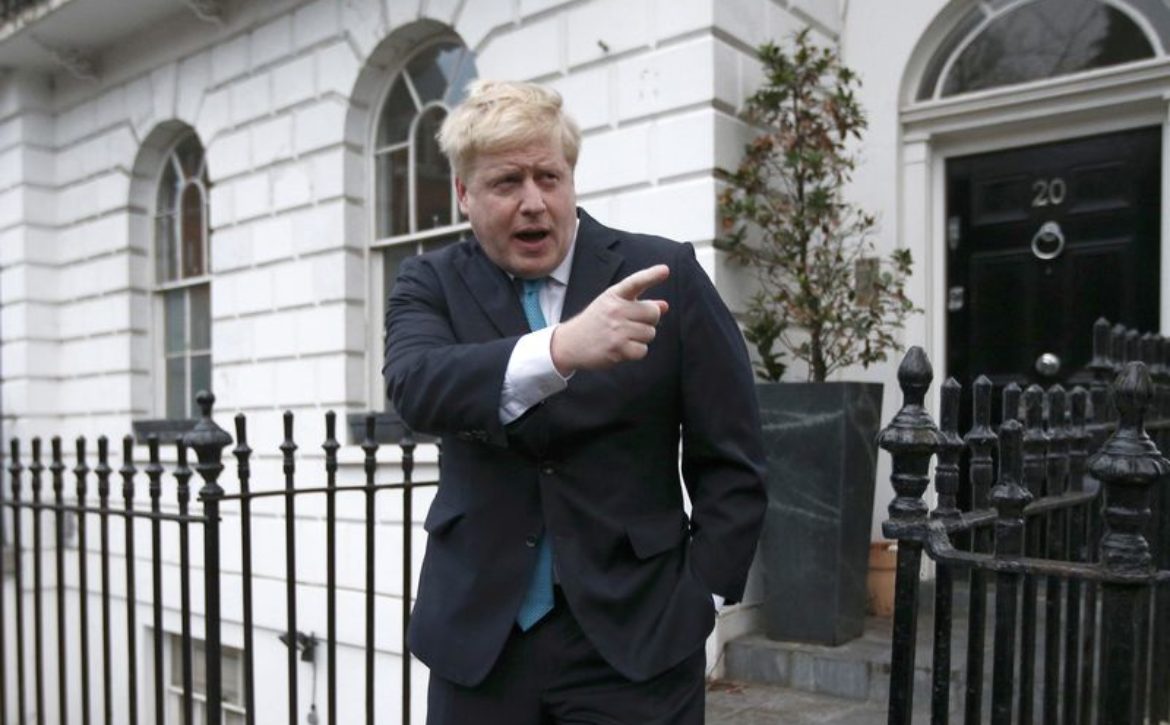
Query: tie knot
x: 533, y: 286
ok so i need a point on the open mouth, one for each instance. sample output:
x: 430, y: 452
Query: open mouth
x: 531, y: 235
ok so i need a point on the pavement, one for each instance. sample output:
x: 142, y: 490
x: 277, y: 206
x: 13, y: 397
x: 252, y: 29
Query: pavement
x: 752, y: 704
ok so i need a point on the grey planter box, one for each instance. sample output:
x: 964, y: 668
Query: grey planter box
x: 821, y: 466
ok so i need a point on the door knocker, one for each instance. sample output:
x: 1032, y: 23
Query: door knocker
x: 1048, y: 242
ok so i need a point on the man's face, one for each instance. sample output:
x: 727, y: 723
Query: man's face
x: 522, y: 207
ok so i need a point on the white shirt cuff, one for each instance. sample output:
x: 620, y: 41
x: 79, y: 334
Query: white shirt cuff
x: 718, y: 600
x: 531, y: 376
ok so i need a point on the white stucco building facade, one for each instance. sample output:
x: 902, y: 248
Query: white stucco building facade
x: 203, y: 191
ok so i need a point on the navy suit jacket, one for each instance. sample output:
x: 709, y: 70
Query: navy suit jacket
x: 596, y: 466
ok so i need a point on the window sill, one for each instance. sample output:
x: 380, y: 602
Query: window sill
x: 168, y: 430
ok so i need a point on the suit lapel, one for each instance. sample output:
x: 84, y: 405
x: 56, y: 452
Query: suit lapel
x: 595, y: 264
x: 492, y: 289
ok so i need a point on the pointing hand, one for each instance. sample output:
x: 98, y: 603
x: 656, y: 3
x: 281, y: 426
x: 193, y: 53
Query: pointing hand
x: 615, y: 327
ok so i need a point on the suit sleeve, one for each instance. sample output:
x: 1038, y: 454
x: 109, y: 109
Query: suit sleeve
x: 437, y: 383
x: 723, y: 460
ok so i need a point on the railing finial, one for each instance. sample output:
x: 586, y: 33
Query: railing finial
x: 1128, y: 465
x: 911, y: 438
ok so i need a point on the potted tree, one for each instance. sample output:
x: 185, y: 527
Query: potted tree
x: 826, y: 300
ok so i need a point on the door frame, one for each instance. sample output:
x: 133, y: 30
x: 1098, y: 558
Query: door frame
x: 1087, y: 104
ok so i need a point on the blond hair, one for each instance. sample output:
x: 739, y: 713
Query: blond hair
x: 505, y: 115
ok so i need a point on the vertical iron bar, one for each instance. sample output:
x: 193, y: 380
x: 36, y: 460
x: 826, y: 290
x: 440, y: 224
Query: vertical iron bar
x: 81, y: 470
x: 36, y: 468
x: 183, y: 476
x: 1057, y: 481
x: 911, y: 438
x: 1076, y: 547
x: 1035, y: 444
x: 287, y: 448
x: 982, y: 442
x: 331, y: 445
x: 1108, y: 350
x: 946, y: 484
x: 243, y: 467
x: 1128, y: 466
x: 154, y: 472
x: 16, y: 469
x: 102, y: 471
x: 208, y: 441
x: 1009, y: 499
x: 57, y: 470
x: 370, y: 446
x: 127, y: 472
x: 408, y: 446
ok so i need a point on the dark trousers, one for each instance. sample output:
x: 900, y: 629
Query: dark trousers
x: 551, y: 674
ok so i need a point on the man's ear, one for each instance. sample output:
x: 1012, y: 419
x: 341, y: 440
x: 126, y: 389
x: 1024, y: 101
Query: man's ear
x: 461, y: 194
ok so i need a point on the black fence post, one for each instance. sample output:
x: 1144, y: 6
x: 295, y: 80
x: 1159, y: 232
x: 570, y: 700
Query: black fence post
x: 127, y: 472
x: 243, y: 454
x: 57, y: 471
x: 1009, y: 498
x: 1128, y: 466
x: 912, y: 439
x: 408, y: 445
x: 36, y: 470
x: 946, y: 485
x: 982, y: 442
x: 16, y: 470
x: 208, y: 441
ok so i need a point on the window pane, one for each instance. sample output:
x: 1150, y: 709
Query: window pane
x: 1044, y: 39
x: 168, y: 189
x: 397, y: 113
x: 175, y: 302
x: 200, y: 317
x: 432, y: 69
x: 432, y: 174
x: 464, y: 74
x: 166, y: 268
x: 200, y: 377
x: 192, y: 231
x: 190, y: 155
x: 393, y: 198
x: 177, y: 387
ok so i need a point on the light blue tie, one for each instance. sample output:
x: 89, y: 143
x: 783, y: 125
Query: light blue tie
x: 538, y: 600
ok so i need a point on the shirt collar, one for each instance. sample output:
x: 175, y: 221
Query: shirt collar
x: 564, y: 269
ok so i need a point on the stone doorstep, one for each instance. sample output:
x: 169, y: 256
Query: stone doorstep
x: 857, y: 670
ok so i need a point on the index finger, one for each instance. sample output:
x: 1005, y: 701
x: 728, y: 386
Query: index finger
x: 640, y: 281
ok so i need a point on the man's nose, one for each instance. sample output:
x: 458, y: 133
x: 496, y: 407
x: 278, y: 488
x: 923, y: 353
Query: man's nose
x: 531, y: 200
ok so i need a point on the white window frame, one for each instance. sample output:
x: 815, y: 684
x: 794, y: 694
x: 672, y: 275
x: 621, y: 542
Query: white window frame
x: 160, y: 289
x: 234, y: 712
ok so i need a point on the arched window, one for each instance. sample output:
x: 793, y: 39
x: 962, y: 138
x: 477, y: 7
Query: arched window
x: 1008, y: 42
x: 182, y: 266
x: 415, y: 209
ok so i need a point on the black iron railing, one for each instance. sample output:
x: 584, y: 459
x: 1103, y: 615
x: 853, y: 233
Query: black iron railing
x: 76, y: 630
x: 1072, y: 550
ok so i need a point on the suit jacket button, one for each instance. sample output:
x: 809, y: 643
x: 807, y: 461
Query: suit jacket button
x: 547, y: 469
x: 530, y: 542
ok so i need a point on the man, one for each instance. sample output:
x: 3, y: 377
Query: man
x: 563, y: 581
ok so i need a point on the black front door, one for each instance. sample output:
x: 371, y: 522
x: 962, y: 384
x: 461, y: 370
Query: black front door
x: 1043, y: 240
